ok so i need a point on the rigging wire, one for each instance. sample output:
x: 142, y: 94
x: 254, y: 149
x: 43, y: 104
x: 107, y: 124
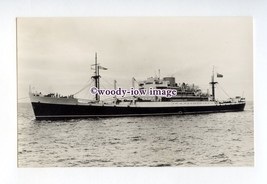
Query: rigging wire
x: 85, y: 94
x: 107, y: 82
x: 223, y: 91
x: 83, y: 88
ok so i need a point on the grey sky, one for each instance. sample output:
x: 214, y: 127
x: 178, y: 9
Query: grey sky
x: 55, y: 54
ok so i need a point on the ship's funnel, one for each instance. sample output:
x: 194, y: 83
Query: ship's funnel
x: 170, y: 79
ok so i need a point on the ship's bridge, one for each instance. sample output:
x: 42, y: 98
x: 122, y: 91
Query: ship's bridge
x: 185, y: 91
x: 157, y: 83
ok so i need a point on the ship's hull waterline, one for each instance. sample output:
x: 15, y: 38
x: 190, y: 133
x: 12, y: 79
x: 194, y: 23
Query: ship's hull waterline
x: 48, y: 111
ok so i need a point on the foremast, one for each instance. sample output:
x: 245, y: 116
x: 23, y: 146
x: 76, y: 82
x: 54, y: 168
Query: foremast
x: 96, y: 77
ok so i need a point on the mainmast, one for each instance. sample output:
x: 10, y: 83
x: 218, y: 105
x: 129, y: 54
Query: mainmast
x: 213, y: 85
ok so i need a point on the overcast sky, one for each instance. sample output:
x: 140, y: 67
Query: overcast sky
x: 55, y: 54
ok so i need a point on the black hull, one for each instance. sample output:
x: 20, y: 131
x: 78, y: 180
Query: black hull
x: 45, y: 111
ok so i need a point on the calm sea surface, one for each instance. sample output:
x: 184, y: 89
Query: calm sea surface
x: 219, y: 139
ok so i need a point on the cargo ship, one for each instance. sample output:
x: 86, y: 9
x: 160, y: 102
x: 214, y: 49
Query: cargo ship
x: 189, y: 99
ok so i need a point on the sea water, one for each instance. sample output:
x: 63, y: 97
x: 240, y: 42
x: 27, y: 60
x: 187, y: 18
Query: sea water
x: 216, y: 139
